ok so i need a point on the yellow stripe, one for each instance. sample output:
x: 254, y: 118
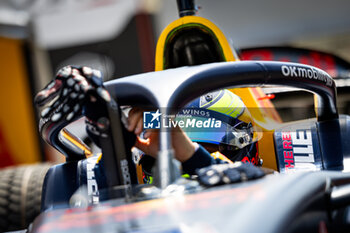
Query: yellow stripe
x: 99, y: 158
x: 217, y: 97
x: 237, y: 103
x: 225, y: 102
x: 74, y: 140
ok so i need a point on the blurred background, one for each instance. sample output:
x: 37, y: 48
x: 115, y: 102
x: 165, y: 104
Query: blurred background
x: 37, y: 37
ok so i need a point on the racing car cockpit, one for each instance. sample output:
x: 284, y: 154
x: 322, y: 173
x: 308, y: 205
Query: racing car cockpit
x: 176, y: 203
x: 187, y: 83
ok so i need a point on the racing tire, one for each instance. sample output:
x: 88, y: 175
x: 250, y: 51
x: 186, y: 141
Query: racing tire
x: 20, y: 195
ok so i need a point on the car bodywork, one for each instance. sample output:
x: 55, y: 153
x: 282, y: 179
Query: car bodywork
x: 312, y: 200
x: 179, y: 206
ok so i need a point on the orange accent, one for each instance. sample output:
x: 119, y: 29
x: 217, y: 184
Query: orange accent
x: 262, y: 110
x: 139, y: 173
x: 267, y: 150
x: 17, y: 114
x: 73, y: 139
x: 99, y: 158
x: 269, y: 97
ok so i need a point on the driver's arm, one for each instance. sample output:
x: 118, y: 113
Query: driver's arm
x: 190, y: 154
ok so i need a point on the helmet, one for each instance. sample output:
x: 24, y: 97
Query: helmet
x: 220, y: 120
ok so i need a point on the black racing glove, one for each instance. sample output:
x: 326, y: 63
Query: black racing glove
x: 64, y: 98
x: 77, y: 91
x: 228, y: 173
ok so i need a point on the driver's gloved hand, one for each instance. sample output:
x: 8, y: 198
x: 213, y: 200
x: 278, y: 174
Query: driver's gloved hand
x: 64, y: 98
x: 228, y: 173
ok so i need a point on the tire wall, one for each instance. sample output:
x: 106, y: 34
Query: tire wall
x: 20, y: 195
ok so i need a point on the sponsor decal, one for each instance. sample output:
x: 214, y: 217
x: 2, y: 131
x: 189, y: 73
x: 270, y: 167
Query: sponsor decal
x: 297, y: 149
x: 307, y: 73
x: 91, y: 181
x: 126, y: 176
x: 195, y: 112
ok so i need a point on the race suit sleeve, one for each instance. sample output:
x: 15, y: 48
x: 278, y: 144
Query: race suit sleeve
x: 201, y: 158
